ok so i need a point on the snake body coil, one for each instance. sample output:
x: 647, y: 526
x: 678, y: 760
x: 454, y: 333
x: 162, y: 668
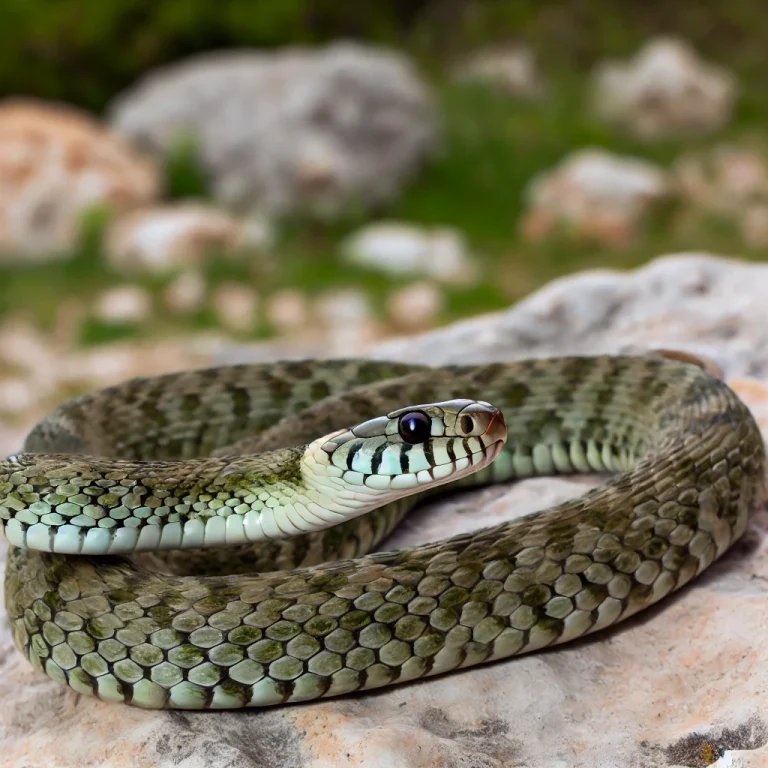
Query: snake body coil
x: 236, y: 456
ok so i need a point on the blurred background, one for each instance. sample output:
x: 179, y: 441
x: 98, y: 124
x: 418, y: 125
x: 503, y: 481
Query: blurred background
x: 180, y: 178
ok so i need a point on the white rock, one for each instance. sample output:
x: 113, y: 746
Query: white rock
x: 729, y: 181
x: 236, y: 307
x: 71, y: 314
x: 293, y: 131
x: 342, y: 307
x: 24, y: 346
x: 724, y: 179
x: 416, y: 306
x: 123, y: 304
x: 180, y: 235
x: 287, y: 311
x: 754, y: 225
x: 512, y: 69
x: 56, y: 162
x: 701, y: 303
x: 16, y: 395
x: 664, y: 91
x: 406, y: 249
x: 257, y: 233
x: 186, y: 294
x: 595, y: 194
x: 108, y: 364
x: 346, y: 319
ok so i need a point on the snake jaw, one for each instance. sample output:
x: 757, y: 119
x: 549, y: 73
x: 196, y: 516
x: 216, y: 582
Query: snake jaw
x: 350, y: 472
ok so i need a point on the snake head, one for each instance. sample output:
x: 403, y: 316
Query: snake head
x: 408, y: 450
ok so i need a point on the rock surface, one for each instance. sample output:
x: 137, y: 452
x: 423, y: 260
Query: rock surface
x: 297, y: 130
x: 596, y: 195
x: 680, y: 685
x: 56, y: 162
x: 724, y: 179
x: 665, y: 90
x: 177, y: 236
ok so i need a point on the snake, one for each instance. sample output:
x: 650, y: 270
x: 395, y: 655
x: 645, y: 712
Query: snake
x: 209, y: 539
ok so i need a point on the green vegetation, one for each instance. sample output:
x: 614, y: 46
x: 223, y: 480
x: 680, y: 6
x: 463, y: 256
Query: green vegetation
x: 85, y: 51
x: 492, y: 145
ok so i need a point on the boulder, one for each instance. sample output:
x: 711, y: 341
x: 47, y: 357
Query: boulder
x: 730, y: 182
x: 512, y: 69
x: 56, y: 162
x: 178, y: 236
x: 665, y: 90
x: 299, y: 130
x: 595, y: 195
x: 403, y: 249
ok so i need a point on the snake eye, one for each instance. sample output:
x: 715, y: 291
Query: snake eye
x: 415, y: 427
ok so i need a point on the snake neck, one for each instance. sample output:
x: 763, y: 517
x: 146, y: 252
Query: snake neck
x: 82, y: 504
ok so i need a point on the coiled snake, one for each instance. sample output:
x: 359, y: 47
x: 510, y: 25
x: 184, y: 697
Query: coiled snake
x: 261, y: 458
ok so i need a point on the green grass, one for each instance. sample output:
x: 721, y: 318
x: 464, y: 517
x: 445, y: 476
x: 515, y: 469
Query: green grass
x: 492, y: 147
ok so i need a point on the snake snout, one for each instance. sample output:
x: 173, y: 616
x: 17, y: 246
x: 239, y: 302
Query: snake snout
x: 481, y: 419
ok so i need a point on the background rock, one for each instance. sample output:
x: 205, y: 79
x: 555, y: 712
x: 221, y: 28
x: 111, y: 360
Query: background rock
x: 298, y: 130
x: 287, y: 310
x: 186, y: 294
x: 704, y: 304
x: 416, y: 306
x: 346, y: 321
x: 55, y: 163
x: 677, y: 684
x: 236, y: 307
x: 178, y: 236
x: 729, y: 181
x: 665, y: 90
x: 124, y: 304
x: 399, y: 248
x: 596, y: 195
x: 511, y: 69
x: 724, y: 179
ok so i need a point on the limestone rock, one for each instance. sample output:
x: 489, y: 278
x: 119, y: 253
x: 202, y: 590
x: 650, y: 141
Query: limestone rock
x: 236, y: 307
x: 16, y: 396
x: 729, y: 181
x: 287, y: 311
x: 124, y: 304
x: 701, y: 303
x: 680, y: 685
x: 665, y: 90
x: 346, y: 320
x: 186, y: 294
x: 724, y: 179
x: 399, y: 248
x: 37, y: 372
x: 416, y: 306
x: 55, y: 163
x: 294, y: 131
x: 177, y: 236
x: 511, y: 69
x: 754, y: 225
x: 596, y: 195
